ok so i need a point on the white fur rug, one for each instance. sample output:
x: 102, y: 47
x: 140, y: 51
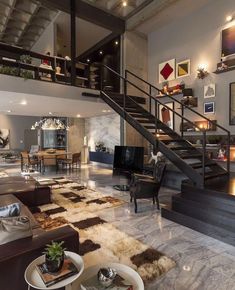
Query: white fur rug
x: 100, y: 240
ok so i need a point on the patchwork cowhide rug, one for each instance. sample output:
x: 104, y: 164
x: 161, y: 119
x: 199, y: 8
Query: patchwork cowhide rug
x: 100, y: 241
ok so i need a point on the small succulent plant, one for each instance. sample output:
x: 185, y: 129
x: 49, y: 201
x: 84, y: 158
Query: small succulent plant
x: 54, y: 251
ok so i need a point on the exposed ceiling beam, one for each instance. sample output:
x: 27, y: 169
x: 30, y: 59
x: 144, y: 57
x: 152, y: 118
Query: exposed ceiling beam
x: 89, y: 13
x: 97, y: 45
x: 149, y: 11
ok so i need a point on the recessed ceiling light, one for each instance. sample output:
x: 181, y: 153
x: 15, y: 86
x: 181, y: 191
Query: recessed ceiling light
x: 104, y: 111
x: 101, y: 52
x: 8, y: 111
x: 23, y: 103
x: 78, y: 115
x: 124, y: 3
x: 88, y: 60
x: 50, y: 113
x: 116, y: 42
x: 229, y: 18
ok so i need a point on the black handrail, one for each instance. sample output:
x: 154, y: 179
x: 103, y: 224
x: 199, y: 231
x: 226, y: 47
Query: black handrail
x: 182, y: 109
x: 156, y: 117
x: 177, y: 101
x: 155, y: 100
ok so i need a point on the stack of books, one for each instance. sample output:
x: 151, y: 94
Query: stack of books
x: 49, y: 279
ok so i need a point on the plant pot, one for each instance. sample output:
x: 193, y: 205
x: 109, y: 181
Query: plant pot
x: 54, y: 266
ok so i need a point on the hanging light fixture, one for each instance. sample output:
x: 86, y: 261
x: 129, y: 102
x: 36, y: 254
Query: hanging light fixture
x: 50, y: 124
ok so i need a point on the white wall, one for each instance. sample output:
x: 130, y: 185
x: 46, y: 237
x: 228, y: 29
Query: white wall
x: 17, y: 126
x: 197, y: 37
x: 104, y: 129
x: 46, y: 42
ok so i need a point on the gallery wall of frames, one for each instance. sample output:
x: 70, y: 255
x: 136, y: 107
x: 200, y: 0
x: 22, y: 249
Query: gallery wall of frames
x: 195, y: 64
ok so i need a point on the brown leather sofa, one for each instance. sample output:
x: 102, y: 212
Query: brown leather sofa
x: 15, y: 256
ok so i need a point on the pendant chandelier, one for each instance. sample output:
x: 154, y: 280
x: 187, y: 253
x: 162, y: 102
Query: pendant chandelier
x: 49, y: 124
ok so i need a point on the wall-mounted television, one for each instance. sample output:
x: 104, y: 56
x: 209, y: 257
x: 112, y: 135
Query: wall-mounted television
x: 228, y: 41
x: 128, y: 158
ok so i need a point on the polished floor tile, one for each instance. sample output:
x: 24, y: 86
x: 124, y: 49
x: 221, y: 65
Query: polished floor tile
x: 202, y: 263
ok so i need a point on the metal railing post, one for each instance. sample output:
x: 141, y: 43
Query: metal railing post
x: 204, y: 155
x: 150, y: 100
x: 228, y: 153
x: 124, y: 91
x: 182, y: 121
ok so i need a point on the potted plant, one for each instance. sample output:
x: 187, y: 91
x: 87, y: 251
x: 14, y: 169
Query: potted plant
x: 26, y: 58
x: 54, y: 256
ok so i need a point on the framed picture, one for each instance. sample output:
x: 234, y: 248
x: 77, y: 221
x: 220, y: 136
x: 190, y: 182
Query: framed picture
x: 183, y: 69
x: 209, y: 108
x: 167, y: 71
x: 228, y: 41
x: 166, y: 116
x: 209, y: 91
x: 232, y: 104
x: 4, y: 139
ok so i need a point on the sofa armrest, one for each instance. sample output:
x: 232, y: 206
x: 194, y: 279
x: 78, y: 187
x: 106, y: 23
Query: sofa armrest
x: 16, y: 256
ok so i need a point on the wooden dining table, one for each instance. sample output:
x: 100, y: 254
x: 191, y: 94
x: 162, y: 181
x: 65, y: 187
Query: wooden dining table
x: 49, y: 158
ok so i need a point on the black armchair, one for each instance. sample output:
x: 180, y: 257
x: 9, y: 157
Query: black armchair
x: 144, y: 186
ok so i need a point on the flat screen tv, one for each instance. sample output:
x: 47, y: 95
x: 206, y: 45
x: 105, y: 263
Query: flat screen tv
x: 228, y: 41
x: 128, y: 158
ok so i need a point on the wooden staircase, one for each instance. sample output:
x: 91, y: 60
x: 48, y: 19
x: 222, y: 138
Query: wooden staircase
x: 201, y: 205
x: 190, y: 160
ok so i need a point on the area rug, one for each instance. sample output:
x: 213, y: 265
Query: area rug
x: 100, y: 241
x: 3, y: 174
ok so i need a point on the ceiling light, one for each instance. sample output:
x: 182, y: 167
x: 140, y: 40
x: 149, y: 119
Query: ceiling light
x: 88, y: 60
x: 8, y: 111
x: 229, y: 18
x: 23, y: 103
x: 50, y: 124
x: 104, y: 111
x: 124, y: 3
x: 50, y: 113
x: 78, y: 116
x: 100, y: 52
x: 116, y: 42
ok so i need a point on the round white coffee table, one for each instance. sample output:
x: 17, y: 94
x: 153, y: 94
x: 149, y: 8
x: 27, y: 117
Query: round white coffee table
x: 126, y: 272
x: 34, y: 280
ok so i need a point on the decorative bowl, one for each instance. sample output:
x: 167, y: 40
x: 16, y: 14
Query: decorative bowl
x: 106, y: 276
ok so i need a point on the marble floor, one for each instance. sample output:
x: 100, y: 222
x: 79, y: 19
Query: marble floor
x: 201, y: 262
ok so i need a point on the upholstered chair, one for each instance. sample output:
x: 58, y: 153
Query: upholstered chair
x: 144, y: 186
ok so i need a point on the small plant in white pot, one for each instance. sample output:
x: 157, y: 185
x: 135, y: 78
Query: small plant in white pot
x: 54, y: 256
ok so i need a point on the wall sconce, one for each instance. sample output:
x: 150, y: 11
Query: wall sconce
x: 202, y: 71
x: 229, y: 18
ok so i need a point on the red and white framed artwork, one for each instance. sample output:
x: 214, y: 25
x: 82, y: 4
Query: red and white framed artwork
x: 167, y: 71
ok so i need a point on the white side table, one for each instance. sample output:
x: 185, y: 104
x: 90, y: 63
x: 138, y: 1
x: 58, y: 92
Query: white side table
x: 34, y: 280
x: 125, y: 271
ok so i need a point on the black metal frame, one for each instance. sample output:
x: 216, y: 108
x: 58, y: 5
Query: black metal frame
x: 230, y: 104
x: 183, y: 107
x: 200, y: 179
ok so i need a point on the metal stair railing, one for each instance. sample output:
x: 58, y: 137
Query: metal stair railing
x: 125, y: 81
x: 183, y: 107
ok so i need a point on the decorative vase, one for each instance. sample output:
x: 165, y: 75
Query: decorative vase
x: 58, y: 69
x: 54, y: 266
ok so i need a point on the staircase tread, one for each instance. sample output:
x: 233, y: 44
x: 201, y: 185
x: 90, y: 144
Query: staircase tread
x: 202, y: 206
x: 199, y: 164
x: 185, y: 156
x: 214, y: 174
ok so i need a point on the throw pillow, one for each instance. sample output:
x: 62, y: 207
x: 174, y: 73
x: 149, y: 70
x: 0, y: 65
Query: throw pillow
x: 10, y: 210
